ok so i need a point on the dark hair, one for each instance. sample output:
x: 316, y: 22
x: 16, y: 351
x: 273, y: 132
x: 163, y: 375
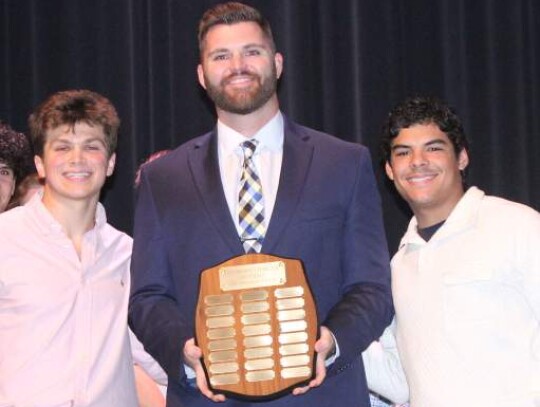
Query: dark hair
x: 15, y: 151
x: 69, y: 108
x: 232, y: 13
x: 423, y: 110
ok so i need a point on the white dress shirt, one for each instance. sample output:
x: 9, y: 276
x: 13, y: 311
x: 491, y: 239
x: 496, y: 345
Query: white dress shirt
x: 63, y: 332
x: 267, y: 158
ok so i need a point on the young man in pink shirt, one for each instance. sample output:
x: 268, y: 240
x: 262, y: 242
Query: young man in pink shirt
x: 64, y: 271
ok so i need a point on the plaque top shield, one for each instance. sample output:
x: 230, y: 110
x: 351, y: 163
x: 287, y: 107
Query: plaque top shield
x: 256, y: 325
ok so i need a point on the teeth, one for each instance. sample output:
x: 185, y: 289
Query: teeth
x: 240, y: 79
x: 420, y: 178
x: 78, y: 175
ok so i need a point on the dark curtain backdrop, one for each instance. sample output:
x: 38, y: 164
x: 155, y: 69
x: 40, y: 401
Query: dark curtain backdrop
x: 347, y: 62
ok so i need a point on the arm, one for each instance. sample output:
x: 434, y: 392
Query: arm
x: 148, y: 392
x: 366, y: 305
x: 153, y: 312
x: 528, y: 259
x: 145, y: 362
x: 384, y: 373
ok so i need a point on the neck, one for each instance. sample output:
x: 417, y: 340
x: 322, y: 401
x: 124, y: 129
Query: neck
x: 431, y: 215
x: 76, y: 217
x: 249, y: 124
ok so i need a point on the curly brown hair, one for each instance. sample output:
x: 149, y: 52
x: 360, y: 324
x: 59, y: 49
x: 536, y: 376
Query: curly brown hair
x: 15, y: 151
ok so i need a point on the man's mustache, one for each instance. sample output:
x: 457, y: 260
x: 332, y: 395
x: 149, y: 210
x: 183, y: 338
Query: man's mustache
x: 238, y: 73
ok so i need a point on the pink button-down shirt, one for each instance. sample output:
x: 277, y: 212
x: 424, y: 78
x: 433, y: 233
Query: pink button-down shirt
x: 63, y: 332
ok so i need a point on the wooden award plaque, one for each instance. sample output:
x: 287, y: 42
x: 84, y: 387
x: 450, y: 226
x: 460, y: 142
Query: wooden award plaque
x: 256, y: 324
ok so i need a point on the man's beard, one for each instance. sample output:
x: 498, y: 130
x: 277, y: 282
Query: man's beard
x: 243, y: 101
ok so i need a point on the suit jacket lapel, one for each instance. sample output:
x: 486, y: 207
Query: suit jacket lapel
x: 297, y: 155
x: 204, y: 166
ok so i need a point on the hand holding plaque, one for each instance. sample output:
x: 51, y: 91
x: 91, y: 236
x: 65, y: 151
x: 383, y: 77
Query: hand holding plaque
x: 256, y: 325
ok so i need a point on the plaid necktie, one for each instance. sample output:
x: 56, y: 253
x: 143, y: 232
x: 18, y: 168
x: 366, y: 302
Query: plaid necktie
x: 250, y: 208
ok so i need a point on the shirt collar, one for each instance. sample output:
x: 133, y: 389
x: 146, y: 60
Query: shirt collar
x: 461, y: 217
x: 270, y: 137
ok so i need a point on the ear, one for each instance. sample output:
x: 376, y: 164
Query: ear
x: 39, y: 166
x: 278, y: 62
x: 200, y: 74
x: 463, y: 159
x: 389, y: 171
x: 111, y: 164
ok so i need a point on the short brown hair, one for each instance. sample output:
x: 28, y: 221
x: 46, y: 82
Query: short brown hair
x: 232, y: 13
x: 69, y: 108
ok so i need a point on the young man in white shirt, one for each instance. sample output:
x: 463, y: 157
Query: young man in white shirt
x: 466, y: 277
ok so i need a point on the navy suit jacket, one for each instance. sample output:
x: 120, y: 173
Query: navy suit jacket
x: 327, y: 213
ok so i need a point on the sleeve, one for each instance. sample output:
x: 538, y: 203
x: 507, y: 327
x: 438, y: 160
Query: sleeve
x: 384, y: 373
x: 145, y: 361
x: 153, y: 313
x: 528, y: 261
x: 528, y: 258
x: 365, y: 308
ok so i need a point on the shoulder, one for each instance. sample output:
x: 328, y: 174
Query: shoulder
x: 322, y: 139
x: 12, y: 219
x: 502, y: 217
x: 17, y: 230
x: 328, y: 148
x: 178, y: 156
x: 185, y: 148
x: 510, y: 211
x: 114, y: 237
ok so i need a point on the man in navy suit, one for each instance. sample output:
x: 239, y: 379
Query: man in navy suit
x: 321, y: 205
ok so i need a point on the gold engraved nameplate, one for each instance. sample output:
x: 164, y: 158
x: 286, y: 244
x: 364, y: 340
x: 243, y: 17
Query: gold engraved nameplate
x: 256, y: 324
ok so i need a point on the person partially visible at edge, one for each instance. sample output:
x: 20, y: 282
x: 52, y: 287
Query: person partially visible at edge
x: 466, y: 277
x: 319, y: 203
x: 64, y: 271
x: 149, y: 159
x: 15, y: 162
x: 25, y: 190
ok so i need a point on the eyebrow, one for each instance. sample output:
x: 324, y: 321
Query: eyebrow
x: 93, y: 139
x: 255, y: 45
x: 217, y: 51
x: 69, y: 139
x: 7, y: 167
x: 250, y: 45
x: 429, y: 143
